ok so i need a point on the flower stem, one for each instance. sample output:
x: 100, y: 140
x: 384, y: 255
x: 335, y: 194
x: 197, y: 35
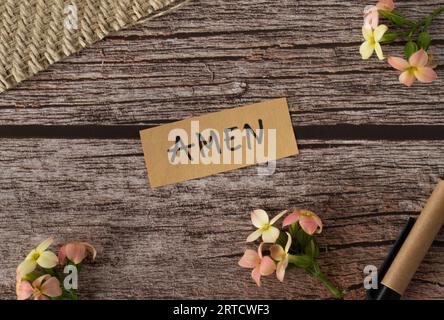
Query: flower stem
x: 315, y: 271
x: 427, y: 21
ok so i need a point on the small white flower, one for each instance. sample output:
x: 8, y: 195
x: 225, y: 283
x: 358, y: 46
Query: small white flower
x: 260, y: 220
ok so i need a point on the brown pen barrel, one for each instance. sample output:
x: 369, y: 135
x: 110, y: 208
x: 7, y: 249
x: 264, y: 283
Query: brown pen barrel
x: 417, y: 243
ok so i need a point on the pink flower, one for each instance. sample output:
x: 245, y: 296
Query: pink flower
x: 308, y: 221
x: 262, y: 266
x: 371, y: 14
x: 42, y: 288
x: 281, y: 255
x: 386, y: 5
x: 76, y: 252
x: 417, y: 67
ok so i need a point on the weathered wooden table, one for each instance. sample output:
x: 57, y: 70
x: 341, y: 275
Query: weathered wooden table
x: 71, y: 163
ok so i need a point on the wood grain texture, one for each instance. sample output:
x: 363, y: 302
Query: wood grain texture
x: 186, y: 239
x: 71, y: 164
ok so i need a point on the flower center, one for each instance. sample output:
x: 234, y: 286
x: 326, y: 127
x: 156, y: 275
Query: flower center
x: 266, y: 227
x: 35, y: 256
x: 412, y: 69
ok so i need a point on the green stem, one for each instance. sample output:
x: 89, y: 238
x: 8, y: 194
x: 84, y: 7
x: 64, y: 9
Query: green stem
x: 315, y: 271
x: 73, y: 294
x: 427, y: 21
x: 437, y: 12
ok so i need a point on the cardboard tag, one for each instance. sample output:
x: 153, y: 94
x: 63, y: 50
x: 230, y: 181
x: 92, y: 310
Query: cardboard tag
x: 218, y: 142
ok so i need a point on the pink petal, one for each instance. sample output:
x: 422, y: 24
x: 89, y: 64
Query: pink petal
x: 372, y: 19
x: 398, y: 63
x: 407, y: 78
x: 62, y: 255
x: 277, y: 252
x: 280, y: 270
x: 387, y: 5
x: 291, y: 218
x: 37, y: 283
x: 419, y: 59
x: 75, y: 252
x: 256, y: 275
x: 40, y: 296
x: 90, y: 248
x: 267, y: 266
x: 250, y: 259
x: 425, y: 74
x: 24, y: 290
x: 318, y: 222
x: 51, y: 288
x: 308, y: 224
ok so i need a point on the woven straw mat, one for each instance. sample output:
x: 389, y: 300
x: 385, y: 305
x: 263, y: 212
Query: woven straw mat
x: 37, y: 33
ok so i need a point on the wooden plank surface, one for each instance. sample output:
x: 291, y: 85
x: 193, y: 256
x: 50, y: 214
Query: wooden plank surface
x: 72, y: 166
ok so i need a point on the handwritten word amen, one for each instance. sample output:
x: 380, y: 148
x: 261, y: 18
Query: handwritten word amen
x: 210, y: 146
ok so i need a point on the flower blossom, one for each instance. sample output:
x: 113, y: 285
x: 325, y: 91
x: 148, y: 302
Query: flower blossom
x: 371, y: 13
x: 38, y: 256
x: 308, y: 220
x: 372, y: 39
x: 417, y: 67
x: 42, y: 288
x: 260, y: 220
x: 76, y: 252
x: 262, y: 266
x: 281, y: 255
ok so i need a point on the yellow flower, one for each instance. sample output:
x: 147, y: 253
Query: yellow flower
x: 38, y: 256
x: 264, y: 226
x: 372, y: 38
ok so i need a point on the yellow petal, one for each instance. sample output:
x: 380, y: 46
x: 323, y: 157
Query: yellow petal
x: 44, y: 245
x: 259, y: 218
x: 252, y: 237
x: 378, y: 50
x: 366, y: 50
x: 425, y: 74
x: 277, y: 217
x: 270, y: 235
x: 30, y: 255
x: 288, y: 245
x: 367, y: 32
x: 26, y: 267
x: 280, y: 269
x: 90, y: 248
x: 379, y: 32
x: 47, y: 260
x: 407, y: 78
x: 277, y: 252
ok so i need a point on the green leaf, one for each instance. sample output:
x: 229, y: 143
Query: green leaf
x: 303, y: 238
x: 293, y: 228
x: 394, y: 17
x: 424, y: 40
x: 410, y: 48
x: 390, y: 37
x: 301, y: 260
x: 312, y: 249
x: 282, y: 240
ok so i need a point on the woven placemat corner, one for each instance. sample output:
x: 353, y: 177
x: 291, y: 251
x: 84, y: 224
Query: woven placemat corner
x: 37, y: 33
